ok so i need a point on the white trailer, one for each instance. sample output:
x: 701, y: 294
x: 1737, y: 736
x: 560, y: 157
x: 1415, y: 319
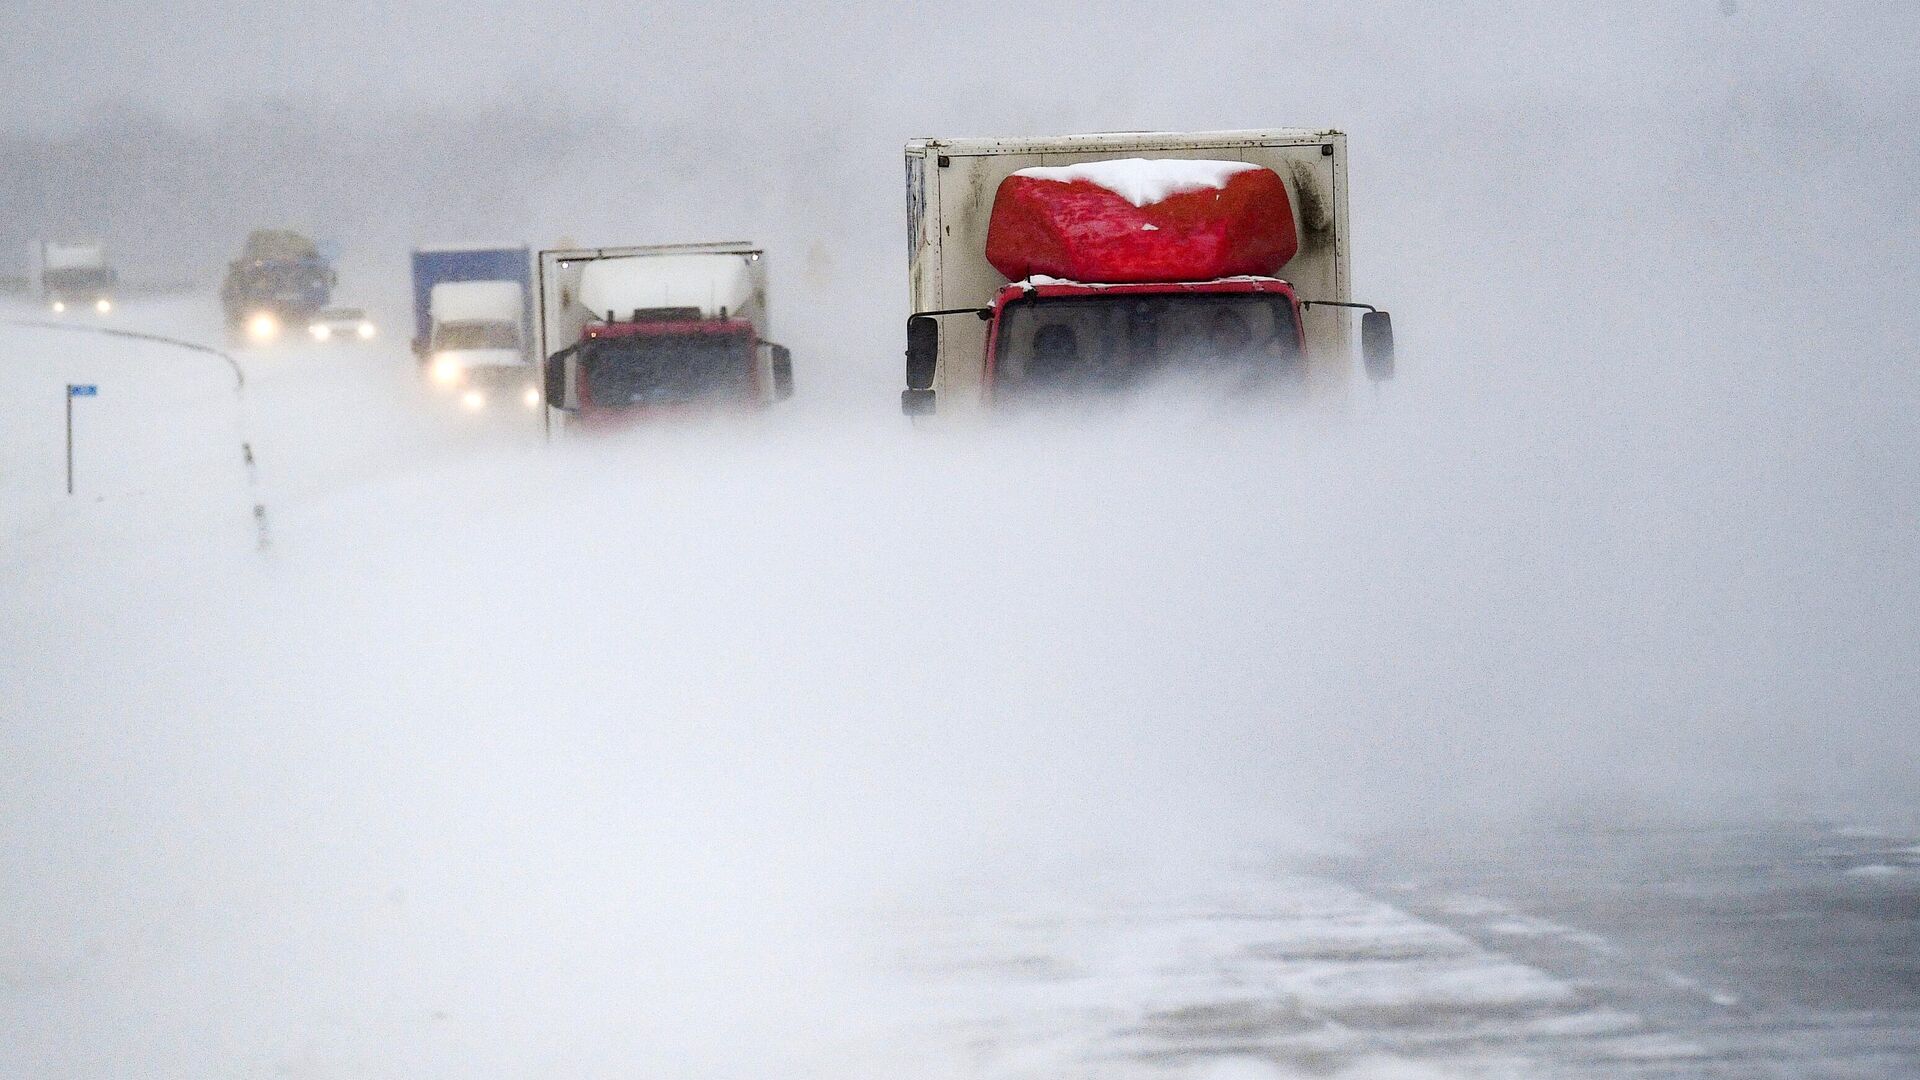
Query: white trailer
x: 630, y: 330
x: 951, y: 190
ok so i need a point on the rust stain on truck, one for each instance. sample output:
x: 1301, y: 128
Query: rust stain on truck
x: 1314, y: 204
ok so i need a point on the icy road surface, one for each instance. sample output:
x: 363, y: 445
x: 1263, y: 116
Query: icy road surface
x: 1778, y: 952
x: 711, y: 787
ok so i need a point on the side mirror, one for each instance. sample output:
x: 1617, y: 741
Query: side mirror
x: 555, y: 390
x: 916, y: 402
x: 782, y: 372
x: 1376, y: 344
x: 923, y: 352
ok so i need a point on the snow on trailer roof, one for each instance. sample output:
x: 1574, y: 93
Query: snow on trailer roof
x: 435, y: 249
x: 712, y: 282
x: 1142, y: 181
x: 586, y: 254
x: 1109, y: 142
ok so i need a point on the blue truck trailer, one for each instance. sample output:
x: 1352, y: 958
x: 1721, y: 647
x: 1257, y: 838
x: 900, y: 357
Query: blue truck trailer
x: 452, y: 264
x: 473, y: 324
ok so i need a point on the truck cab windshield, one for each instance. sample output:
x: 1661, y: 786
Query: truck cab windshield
x: 283, y: 279
x: 476, y: 335
x: 667, y: 369
x: 1119, y: 341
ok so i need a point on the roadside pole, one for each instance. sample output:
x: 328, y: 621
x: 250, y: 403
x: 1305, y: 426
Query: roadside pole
x: 239, y: 412
x: 75, y: 390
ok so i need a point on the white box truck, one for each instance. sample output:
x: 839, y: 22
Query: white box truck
x: 629, y: 333
x: 473, y: 323
x: 475, y: 344
x: 1066, y: 264
x: 75, y: 276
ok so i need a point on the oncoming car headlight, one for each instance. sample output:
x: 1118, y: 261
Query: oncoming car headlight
x: 262, y: 327
x: 320, y: 331
x: 103, y: 305
x: 474, y: 399
x: 365, y: 330
x: 446, y: 370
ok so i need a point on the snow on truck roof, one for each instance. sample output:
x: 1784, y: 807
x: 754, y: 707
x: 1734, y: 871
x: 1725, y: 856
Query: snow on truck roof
x: 435, y: 249
x: 712, y: 282
x: 1144, y: 182
x: 476, y: 301
x: 1123, y: 141
x: 73, y: 255
x: 277, y: 245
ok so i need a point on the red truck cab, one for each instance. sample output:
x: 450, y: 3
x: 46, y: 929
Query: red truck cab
x: 667, y: 365
x: 638, y: 333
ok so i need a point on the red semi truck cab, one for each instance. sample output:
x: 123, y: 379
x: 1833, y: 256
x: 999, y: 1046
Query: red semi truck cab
x: 632, y: 333
x: 669, y: 363
x: 1093, y: 263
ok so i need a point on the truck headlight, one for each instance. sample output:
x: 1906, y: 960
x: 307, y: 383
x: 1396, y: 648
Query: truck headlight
x: 263, y: 327
x: 474, y: 399
x: 445, y: 370
x: 320, y: 331
x: 365, y: 331
x: 103, y: 305
x: 532, y: 397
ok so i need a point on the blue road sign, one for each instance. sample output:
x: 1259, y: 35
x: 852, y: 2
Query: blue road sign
x: 83, y: 391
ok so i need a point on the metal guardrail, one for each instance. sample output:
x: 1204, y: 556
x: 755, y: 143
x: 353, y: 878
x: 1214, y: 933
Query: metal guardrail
x: 261, y: 535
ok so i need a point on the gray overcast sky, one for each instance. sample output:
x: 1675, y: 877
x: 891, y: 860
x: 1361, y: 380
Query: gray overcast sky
x: 1161, y: 64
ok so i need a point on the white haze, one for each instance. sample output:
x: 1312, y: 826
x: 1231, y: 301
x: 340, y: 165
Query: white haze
x: 616, y: 758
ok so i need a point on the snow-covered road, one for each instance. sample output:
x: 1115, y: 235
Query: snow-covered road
x: 727, y: 751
